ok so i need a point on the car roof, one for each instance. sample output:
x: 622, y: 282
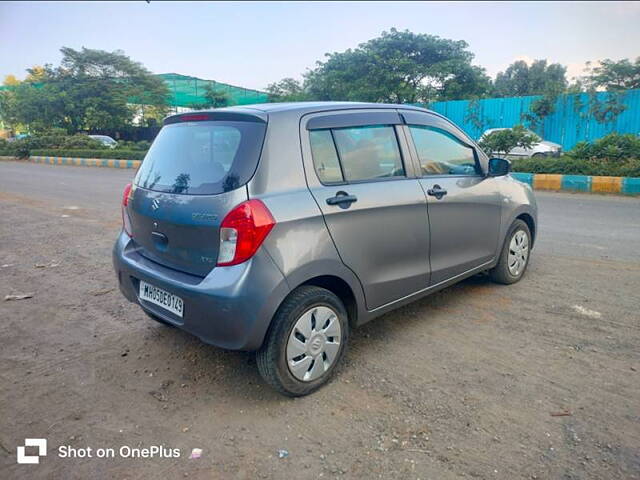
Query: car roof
x: 302, y: 108
x: 321, y: 106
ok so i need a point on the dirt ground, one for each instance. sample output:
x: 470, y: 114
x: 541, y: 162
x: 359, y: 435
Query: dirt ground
x: 538, y: 380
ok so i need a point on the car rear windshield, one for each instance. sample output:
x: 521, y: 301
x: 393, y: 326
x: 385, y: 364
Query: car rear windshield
x: 202, y: 158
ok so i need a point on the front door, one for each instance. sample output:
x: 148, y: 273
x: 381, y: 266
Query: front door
x: 464, y: 205
x: 375, y: 213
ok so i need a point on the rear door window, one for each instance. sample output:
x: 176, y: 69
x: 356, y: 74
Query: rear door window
x: 325, y: 156
x: 202, y: 158
x: 356, y: 154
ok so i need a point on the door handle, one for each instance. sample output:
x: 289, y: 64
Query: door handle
x: 343, y: 199
x: 437, y: 192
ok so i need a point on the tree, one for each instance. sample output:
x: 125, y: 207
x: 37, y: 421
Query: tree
x: 540, y: 109
x: 613, y: 76
x: 26, y: 105
x: 401, y: 67
x: 11, y: 81
x: 212, y: 98
x: 215, y: 98
x: 576, y: 87
x: 501, y: 142
x: 607, y: 111
x: 469, y: 83
x: 474, y: 115
x: 91, y: 89
x: 520, y: 79
x: 37, y: 73
x: 286, y: 90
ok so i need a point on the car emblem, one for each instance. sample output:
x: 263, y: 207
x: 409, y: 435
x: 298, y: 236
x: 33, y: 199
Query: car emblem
x: 155, y: 204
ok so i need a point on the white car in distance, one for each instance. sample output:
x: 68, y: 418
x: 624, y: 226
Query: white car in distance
x: 543, y: 148
x: 105, y: 140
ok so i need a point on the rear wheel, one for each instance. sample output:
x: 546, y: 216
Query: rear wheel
x: 514, y: 257
x: 306, y: 341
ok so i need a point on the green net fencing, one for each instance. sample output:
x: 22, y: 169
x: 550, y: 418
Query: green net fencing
x: 186, y: 91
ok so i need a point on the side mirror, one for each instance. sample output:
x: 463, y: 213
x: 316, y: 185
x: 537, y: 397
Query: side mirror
x: 499, y: 167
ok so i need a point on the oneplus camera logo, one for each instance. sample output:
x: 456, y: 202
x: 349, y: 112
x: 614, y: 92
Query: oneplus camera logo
x: 41, y: 443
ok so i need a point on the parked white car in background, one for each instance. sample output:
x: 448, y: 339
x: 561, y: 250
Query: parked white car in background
x: 542, y: 149
x: 105, y: 140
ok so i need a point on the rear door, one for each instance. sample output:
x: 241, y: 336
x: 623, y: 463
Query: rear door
x: 193, y: 175
x: 374, y: 208
x: 464, y: 205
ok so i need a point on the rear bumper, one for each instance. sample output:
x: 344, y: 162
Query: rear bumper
x: 231, y: 307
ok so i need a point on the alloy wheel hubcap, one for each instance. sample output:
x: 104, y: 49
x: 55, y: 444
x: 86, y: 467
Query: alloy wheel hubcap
x: 314, y: 343
x: 518, y: 252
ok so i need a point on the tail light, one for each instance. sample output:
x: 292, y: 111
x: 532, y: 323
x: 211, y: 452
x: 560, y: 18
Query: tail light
x: 194, y: 118
x: 126, y: 196
x: 242, y: 232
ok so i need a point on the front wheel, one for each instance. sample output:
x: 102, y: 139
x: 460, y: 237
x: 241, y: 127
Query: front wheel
x: 305, y: 343
x: 514, y: 256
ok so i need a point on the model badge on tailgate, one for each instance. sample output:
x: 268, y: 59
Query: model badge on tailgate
x: 210, y: 217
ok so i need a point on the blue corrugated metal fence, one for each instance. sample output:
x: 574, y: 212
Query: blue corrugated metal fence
x: 571, y: 122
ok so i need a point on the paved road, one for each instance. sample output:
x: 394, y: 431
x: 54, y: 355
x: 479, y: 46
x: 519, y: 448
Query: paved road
x: 588, y: 225
x: 535, y: 380
x: 100, y: 188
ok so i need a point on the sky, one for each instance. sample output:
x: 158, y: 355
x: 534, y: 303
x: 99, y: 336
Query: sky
x: 253, y: 44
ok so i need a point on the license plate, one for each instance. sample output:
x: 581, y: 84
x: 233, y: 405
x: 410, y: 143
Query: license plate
x: 161, y: 297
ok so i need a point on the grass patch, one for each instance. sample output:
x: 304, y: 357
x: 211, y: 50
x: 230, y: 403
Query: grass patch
x: 565, y: 165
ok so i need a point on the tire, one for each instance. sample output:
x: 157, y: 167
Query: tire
x: 538, y: 155
x: 283, y: 346
x: 502, y: 273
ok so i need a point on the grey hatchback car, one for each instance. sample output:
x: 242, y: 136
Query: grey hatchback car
x: 280, y: 227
